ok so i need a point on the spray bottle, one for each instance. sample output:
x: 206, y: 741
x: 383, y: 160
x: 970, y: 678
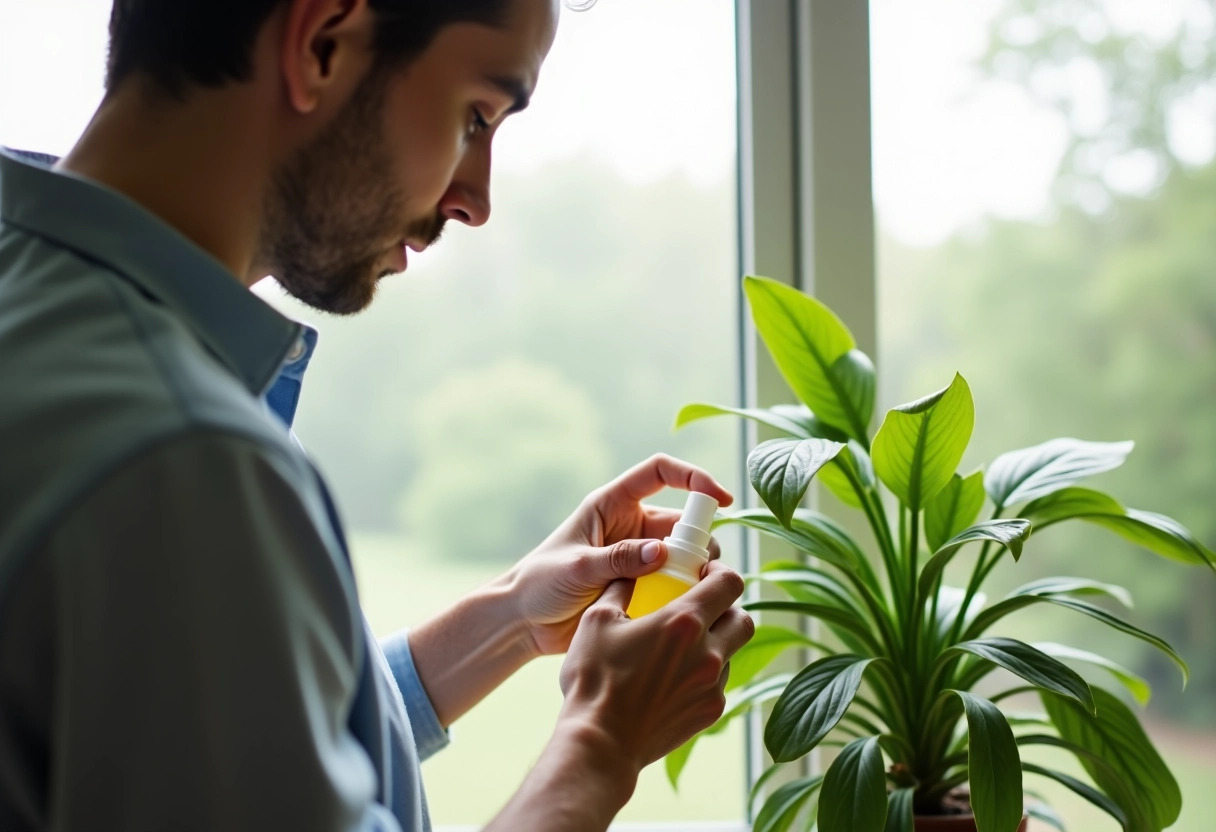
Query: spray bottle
x: 686, y: 556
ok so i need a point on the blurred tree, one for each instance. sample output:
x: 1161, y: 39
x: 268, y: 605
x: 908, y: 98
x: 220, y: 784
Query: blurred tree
x: 505, y: 452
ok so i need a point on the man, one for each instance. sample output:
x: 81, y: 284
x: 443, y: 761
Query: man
x: 180, y: 642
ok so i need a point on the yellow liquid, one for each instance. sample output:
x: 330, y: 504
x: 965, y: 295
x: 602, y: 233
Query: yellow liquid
x: 653, y: 591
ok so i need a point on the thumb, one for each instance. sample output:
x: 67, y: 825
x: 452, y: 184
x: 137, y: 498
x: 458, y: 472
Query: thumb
x: 624, y: 559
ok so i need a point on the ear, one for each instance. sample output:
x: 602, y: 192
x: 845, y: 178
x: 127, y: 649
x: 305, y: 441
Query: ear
x: 326, y: 45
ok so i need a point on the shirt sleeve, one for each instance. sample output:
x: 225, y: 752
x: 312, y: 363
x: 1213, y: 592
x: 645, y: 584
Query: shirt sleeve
x: 209, y: 648
x: 429, y: 734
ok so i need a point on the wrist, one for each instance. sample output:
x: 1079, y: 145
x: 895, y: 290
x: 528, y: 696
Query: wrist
x: 602, y: 753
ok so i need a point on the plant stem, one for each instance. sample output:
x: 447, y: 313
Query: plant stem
x: 973, y: 585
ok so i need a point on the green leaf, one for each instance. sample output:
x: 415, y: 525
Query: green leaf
x: 920, y: 444
x: 1033, y: 665
x: 816, y: 355
x: 1023, y: 475
x: 808, y: 532
x: 852, y: 461
x: 1044, y: 813
x: 953, y: 509
x: 1155, y: 532
x: 1081, y: 788
x: 758, y: 786
x: 994, y: 769
x: 1075, y: 586
x: 784, y: 804
x: 781, y: 469
x: 1009, y: 533
x: 834, y: 617
x: 795, y: 420
x: 1115, y: 736
x: 949, y: 603
x: 812, y: 704
x: 738, y: 702
x: 1135, y: 685
x: 899, y: 810
x: 854, y: 790
x: 806, y: 583
x: 767, y: 644
x: 1015, y: 602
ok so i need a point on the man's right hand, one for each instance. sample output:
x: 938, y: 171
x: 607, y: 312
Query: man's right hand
x: 642, y: 688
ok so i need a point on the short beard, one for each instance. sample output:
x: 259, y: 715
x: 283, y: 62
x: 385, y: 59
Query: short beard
x: 332, y: 211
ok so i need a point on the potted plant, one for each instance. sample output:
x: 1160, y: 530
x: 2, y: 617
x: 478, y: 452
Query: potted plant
x: 898, y: 696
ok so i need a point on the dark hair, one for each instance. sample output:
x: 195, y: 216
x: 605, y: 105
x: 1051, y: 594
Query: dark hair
x: 179, y: 43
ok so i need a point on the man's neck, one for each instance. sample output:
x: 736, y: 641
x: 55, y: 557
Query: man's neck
x: 197, y: 165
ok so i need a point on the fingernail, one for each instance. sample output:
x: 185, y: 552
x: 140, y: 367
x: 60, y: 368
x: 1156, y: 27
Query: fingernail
x: 650, y: 552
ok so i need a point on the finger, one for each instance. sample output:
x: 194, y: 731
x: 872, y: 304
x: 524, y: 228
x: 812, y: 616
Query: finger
x: 661, y: 470
x: 724, y: 678
x: 623, y: 559
x: 616, y: 595
x: 720, y: 587
x: 715, y: 550
x: 734, y: 628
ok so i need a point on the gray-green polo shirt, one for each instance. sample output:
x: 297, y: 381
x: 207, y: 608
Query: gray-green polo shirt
x: 181, y: 646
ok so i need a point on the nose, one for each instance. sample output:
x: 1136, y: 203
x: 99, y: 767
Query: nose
x: 467, y: 198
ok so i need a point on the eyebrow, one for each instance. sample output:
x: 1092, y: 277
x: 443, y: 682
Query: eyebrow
x: 514, y: 88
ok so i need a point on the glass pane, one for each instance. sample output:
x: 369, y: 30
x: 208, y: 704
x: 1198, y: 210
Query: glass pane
x: 1046, y: 192
x: 517, y: 366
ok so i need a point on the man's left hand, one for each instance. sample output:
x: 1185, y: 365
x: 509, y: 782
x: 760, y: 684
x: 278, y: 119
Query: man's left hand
x: 612, y: 535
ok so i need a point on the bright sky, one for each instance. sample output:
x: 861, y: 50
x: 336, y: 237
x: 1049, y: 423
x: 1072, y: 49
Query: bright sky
x: 942, y: 157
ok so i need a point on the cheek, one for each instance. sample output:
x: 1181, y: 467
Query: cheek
x: 425, y: 157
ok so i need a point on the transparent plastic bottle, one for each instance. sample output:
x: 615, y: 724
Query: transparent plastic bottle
x: 686, y: 556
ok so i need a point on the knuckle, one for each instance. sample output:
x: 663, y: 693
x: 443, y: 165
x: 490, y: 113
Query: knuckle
x: 619, y: 557
x: 733, y: 582
x: 747, y: 624
x: 600, y: 614
x: 685, y: 625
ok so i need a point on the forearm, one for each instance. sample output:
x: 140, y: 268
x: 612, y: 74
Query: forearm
x: 579, y: 785
x: 471, y: 648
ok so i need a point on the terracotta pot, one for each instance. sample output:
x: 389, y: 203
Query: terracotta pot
x: 951, y: 823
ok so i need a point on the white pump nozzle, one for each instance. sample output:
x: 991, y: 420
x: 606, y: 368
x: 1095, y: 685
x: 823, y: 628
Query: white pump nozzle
x: 686, y: 545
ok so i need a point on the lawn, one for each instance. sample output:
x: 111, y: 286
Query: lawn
x: 493, y: 746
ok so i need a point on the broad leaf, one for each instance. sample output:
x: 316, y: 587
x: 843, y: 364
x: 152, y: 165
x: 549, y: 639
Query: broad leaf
x: 1115, y: 736
x: 766, y: 645
x: 994, y: 769
x: 853, y: 463
x: 812, y: 704
x: 1026, y: 474
x: 800, y: 580
x: 783, y: 805
x: 816, y: 355
x: 840, y: 621
x: 1135, y: 685
x: 949, y: 601
x: 953, y: 509
x: 1016, y: 602
x: 899, y: 810
x: 1083, y: 789
x: 738, y: 702
x: 1033, y: 665
x: 792, y: 419
x: 1155, y: 532
x: 920, y: 444
x: 1075, y: 586
x: 808, y: 532
x: 854, y: 795
x: 1009, y: 533
x: 781, y: 469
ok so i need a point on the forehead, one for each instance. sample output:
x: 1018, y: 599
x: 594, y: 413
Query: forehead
x: 515, y: 49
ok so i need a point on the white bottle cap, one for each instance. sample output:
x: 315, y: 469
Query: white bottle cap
x: 686, y: 545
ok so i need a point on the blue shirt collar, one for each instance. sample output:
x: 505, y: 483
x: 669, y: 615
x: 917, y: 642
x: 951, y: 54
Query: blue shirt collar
x: 241, y: 330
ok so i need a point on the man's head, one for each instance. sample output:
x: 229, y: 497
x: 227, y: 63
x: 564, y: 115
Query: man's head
x: 381, y: 115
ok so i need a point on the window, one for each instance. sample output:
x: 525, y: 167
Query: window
x: 517, y: 366
x: 1044, y: 183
